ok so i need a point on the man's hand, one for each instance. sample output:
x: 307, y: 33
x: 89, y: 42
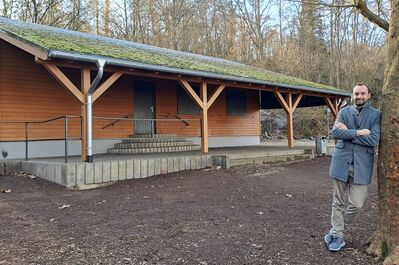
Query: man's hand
x: 340, y: 125
x: 363, y: 132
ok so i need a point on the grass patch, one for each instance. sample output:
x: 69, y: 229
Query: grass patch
x: 384, y: 250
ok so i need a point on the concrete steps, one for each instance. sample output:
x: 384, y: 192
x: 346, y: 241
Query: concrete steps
x: 153, y: 140
x: 146, y: 135
x: 146, y: 144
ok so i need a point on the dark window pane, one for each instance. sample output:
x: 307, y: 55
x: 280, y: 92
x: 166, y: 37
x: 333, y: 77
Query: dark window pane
x: 185, y: 104
x: 236, y: 102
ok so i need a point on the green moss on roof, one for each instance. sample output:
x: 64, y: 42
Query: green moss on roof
x: 50, y: 38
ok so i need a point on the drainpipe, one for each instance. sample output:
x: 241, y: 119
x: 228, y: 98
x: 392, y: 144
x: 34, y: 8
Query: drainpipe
x: 89, y: 104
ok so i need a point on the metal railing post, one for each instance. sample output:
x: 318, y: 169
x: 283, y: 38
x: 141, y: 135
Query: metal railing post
x: 66, y: 139
x: 152, y: 128
x: 26, y: 141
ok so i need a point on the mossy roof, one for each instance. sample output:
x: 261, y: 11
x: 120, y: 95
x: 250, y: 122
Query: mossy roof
x: 49, y: 39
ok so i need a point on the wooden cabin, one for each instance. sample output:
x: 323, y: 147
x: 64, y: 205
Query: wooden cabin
x: 49, y: 76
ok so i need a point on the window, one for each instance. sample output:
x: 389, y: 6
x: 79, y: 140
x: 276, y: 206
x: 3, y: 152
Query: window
x: 185, y: 104
x: 236, y: 102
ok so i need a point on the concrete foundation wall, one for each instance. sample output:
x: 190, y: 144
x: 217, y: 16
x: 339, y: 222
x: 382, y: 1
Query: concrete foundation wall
x: 16, y: 150
x: 228, y: 141
x: 89, y: 175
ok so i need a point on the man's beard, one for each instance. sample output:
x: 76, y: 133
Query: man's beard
x: 362, y: 102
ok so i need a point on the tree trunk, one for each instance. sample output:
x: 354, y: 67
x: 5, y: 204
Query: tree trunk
x: 107, y: 18
x: 385, y: 242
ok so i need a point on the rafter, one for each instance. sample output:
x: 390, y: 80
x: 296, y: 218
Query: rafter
x: 214, y: 95
x: 332, y: 106
x: 105, y: 85
x: 37, y: 52
x: 64, y: 80
x: 191, y: 92
x: 282, y: 101
x: 297, y: 100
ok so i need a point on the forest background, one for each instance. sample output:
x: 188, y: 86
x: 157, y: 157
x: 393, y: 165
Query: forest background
x: 328, y: 42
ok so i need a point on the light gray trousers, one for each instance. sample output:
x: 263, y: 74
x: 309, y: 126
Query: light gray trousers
x: 348, y: 199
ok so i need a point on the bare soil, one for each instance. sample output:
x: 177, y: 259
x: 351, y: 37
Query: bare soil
x: 255, y: 214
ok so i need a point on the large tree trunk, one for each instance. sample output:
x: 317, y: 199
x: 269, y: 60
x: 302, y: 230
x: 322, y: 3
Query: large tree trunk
x: 385, y: 242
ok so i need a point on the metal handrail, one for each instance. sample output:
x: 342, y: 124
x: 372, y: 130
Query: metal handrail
x: 134, y: 119
x: 116, y: 121
x: 152, y: 121
x: 66, y: 125
x: 183, y: 121
x: 44, y: 121
x: 65, y: 117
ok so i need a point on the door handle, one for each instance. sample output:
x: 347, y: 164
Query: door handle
x: 152, y: 108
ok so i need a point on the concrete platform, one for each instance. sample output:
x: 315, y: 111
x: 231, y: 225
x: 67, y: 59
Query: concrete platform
x: 108, y: 168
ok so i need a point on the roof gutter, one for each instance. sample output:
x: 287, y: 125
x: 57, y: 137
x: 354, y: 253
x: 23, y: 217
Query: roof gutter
x: 89, y: 97
x: 132, y: 64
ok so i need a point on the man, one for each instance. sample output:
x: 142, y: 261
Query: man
x: 357, y: 130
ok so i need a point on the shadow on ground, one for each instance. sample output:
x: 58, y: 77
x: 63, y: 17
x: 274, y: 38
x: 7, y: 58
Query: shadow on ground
x: 256, y: 214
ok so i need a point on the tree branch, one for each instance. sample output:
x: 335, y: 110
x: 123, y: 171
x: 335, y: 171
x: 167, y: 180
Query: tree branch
x: 370, y: 16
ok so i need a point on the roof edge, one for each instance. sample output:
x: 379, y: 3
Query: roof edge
x: 24, y: 44
x: 57, y: 54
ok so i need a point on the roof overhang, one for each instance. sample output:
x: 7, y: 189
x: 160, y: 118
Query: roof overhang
x: 313, y: 97
x: 269, y: 101
x: 20, y: 43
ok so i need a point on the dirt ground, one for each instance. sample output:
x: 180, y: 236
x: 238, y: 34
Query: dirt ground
x: 255, y: 214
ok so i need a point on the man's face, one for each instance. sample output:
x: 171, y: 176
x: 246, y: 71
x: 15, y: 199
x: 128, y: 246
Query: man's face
x: 360, y: 95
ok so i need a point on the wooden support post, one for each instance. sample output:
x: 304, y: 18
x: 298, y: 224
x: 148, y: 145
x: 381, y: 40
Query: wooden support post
x: 290, y: 121
x: 332, y: 105
x: 85, y: 85
x: 204, y: 104
x: 204, y: 116
x: 289, y: 107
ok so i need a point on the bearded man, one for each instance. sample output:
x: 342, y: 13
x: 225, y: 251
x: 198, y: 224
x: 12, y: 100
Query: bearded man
x: 357, y: 130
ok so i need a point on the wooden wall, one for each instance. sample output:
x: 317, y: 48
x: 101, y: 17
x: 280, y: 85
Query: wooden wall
x: 29, y: 92
x: 220, y: 124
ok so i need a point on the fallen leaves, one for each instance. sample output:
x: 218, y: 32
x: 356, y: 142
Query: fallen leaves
x: 5, y: 190
x: 24, y: 175
x: 64, y: 206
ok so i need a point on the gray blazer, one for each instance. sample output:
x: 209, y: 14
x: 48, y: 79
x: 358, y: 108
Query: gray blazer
x: 352, y: 149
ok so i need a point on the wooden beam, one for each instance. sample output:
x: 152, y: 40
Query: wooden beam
x: 290, y: 129
x: 36, y: 51
x: 288, y: 98
x: 85, y: 84
x: 63, y: 79
x: 332, y: 107
x: 214, y: 95
x: 175, y: 77
x: 282, y: 101
x: 289, y: 106
x: 191, y: 92
x: 290, y: 121
x: 204, y: 116
x: 105, y: 85
x: 297, y: 100
x: 340, y: 103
